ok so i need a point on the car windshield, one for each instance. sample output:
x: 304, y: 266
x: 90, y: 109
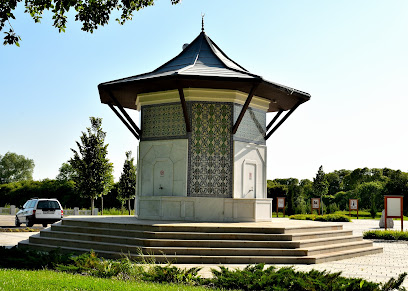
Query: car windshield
x: 30, y: 204
x: 48, y: 205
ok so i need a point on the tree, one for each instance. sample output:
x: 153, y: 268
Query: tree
x: 66, y: 172
x: 93, y: 172
x: 334, y: 183
x: 91, y: 13
x: 320, y: 185
x: 369, y: 195
x: 127, y: 180
x: 14, y: 168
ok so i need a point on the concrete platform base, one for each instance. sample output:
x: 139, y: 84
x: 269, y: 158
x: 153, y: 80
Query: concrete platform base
x: 203, y: 209
x: 291, y: 242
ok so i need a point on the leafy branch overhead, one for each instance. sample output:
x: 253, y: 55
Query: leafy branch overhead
x: 91, y: 13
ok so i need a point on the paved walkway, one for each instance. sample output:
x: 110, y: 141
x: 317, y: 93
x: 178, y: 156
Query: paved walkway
x: 378, y: 268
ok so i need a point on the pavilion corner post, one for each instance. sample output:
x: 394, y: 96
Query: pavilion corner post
x: 245, y: 107
x: 184, y: 106
x: 268, y: 135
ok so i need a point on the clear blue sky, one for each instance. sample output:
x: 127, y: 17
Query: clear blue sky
x: 351, y: 56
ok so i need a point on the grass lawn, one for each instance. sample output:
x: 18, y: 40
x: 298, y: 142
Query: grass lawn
x: 11, y: 279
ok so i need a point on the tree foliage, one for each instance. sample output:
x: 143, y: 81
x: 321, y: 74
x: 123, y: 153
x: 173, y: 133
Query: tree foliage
x: 66, y: 172
x: 127, y: 180
x: 91, y: 13
x: 93, y: 171
x: 367, y: 185
x: 320, y: 184
x: 17, y: 193
x: 14, y: 168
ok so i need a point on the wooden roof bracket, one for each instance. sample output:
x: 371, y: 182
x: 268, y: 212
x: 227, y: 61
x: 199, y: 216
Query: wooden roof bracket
x: 244, y: 108
x: 268, y: 135
x: 130, y: 123
x: 274, y: 119
x: 124, y: 121
x: 184, y: 106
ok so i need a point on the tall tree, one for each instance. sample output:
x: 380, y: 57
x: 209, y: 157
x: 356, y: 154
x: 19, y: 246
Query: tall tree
x: 93, y: 172
x: 14, y: 168
x: 127, y: 180
x: 320, y: 185
x: 91, y: 13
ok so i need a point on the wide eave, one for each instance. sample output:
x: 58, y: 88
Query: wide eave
x: 200, y: 65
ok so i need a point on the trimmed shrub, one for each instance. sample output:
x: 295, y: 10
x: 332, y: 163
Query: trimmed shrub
x: 326, y: 217
x: 254, y: 277
x: 386, y: 234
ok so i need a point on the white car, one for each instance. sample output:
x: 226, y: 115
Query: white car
x: 39, y: 211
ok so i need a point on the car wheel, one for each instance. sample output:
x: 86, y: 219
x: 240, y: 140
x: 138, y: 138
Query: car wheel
x: 17, y: 222
x: 45, y: 225
x: 29, y: 223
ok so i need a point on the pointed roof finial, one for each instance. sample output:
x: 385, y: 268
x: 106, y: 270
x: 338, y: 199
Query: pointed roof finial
x: 202, y: 22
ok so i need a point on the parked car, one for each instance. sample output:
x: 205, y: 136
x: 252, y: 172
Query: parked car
x: 39, y: 211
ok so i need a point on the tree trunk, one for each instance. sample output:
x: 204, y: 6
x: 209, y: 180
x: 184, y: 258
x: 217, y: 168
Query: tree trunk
x: 101, y: 205
x: 129, y: 206
x: 92, y: 206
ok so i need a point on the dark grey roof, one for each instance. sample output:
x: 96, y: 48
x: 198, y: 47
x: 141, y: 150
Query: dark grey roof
x: 202, y: 64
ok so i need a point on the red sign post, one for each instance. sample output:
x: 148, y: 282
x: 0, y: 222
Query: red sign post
x: 315, y: 204
x: 393, y: 205
x: 353, y: 205
x: 280, y: 204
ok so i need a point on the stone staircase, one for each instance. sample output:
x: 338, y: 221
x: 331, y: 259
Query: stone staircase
x: 294, y: 242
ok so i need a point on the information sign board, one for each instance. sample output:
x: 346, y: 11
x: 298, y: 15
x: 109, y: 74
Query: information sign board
x: 393, y: 205
x: 353, y: 205
x: 280, y: 204
x: 315, y: 202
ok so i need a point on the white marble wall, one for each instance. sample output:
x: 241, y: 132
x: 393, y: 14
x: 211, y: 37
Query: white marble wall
x: 162, y: 168
x: 249, y: 170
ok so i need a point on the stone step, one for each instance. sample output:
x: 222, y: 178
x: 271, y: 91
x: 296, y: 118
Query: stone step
x: 347, y: 254
x: 338, y: 247
x: 193, y: 243
x: 212, y: 243
x: 58, y: 235
x: 328, y: 241
x: 320, y: 234
x: 108, y: 243
x: 254, y: 252
x: 180, y: 259
x: 203, y: 227
x: 185, y: 259
x: 197, y: 235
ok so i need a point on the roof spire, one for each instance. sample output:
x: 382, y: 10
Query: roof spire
x: 202, y: 22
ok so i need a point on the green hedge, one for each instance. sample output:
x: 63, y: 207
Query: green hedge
x: 17, y: 193
x: 326, y: 217
x: 252, y: 277
x: 386, y: 234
